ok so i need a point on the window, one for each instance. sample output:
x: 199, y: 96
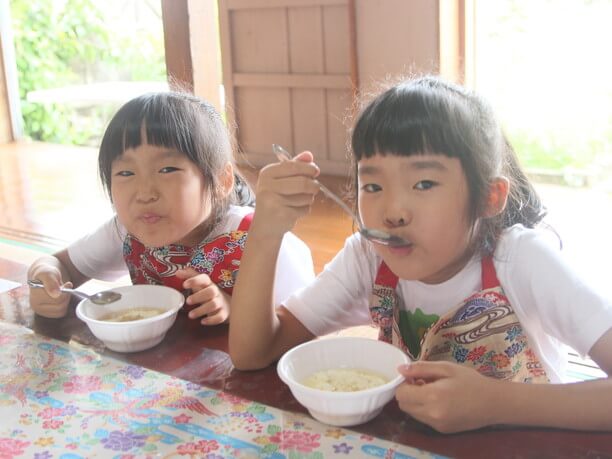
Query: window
x: 545, y: 67
x: 79, y: 60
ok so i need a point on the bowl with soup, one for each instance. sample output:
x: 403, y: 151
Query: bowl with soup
x: 137, y: 321
x: 342, y: 381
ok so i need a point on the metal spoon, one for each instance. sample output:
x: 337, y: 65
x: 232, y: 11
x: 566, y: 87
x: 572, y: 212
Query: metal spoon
x: 108, y: 296
x: 374, y: 235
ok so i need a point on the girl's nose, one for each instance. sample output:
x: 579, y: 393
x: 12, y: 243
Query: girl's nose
x: 395, y: 217
x: 394, y: 222
x: 147, y: 192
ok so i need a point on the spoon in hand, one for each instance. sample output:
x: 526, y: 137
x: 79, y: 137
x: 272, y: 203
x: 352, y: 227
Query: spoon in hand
x: 105, y: 297
x: 374, y: 235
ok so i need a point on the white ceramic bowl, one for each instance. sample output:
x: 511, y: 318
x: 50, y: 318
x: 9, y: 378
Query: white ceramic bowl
x: 342, y: 408
x: 136, y: 335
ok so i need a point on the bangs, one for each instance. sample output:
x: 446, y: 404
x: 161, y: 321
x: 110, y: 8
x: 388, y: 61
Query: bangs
x: 164, y: 124
x: 411, y: 120
x: 165, y: 119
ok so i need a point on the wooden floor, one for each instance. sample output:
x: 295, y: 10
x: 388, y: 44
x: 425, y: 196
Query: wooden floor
x: 50, y: 195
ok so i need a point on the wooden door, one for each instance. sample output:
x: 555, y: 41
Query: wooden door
x: 290, y: 75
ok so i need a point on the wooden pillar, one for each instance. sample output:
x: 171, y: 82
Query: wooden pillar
x: 192, y: 43
x: 6, y: 128
x: 452, y: 41
x: 206, y: 51
x: 179, y: 67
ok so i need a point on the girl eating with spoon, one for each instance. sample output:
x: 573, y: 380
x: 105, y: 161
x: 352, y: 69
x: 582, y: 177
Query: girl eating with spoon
x: 183, y: 213
x: 480, y: 297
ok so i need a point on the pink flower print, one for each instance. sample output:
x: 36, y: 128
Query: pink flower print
x: 537, y: 372
x: 390, y: 454
x: 486, y: 369
x: 200, y: 447
x: 49, y: 413
x: 495, y: 297
x: 234, y: 400
x: 82, y: 384
x: 182, y: 419
x: 215, y: 256
x: 530, y: 354
x: 476, y: 353
x: 291, y: 440
x: 52, y: 424
x: 10, y: 447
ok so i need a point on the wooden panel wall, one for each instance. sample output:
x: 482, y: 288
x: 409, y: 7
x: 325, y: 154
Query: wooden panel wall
x: 289, y: 72
x: 395, y: 38
x: 292, y: 68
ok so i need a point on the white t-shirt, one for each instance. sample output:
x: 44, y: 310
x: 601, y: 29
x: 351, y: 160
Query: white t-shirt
x: 552, y: 302
x: 99, y: 255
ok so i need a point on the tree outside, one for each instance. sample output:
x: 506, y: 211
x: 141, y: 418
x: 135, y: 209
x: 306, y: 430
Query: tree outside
x: 75, y: 43
x: 545, y: 66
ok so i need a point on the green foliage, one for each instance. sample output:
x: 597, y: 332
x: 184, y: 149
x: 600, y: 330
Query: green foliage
x: 554, y: 152
x: 50, y: 39
x: 67, y: 42
x: 551, y: 88
x: 537, y: 152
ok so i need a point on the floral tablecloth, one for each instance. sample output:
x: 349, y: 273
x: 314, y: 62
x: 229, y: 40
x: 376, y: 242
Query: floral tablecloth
x: 67, y: 402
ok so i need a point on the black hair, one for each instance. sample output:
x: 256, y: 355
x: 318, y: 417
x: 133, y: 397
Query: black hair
x: 429, y: 115
x: 182, y: 122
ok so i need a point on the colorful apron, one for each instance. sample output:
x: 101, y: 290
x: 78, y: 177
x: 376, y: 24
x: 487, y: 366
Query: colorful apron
x: 219, y: 258
x: 483, y: 332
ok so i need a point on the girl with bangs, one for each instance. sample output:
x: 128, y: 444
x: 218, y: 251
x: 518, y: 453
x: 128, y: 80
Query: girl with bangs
x: 479, y: 294
x: 183, y: 213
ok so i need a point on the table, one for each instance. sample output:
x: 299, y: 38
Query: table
x: 193, y: 361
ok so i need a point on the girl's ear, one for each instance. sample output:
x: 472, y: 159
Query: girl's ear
x: 226, y: 182
x: 498, y: 195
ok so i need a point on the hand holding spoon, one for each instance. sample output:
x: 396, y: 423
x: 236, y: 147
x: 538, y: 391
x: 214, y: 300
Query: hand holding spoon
x: 374, y: 235
x: 105, y: 297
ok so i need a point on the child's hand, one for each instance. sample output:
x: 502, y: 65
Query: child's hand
x: 49, y: 302
x: 213, y: 304
x: 285, y: 191
x: 447, y: 396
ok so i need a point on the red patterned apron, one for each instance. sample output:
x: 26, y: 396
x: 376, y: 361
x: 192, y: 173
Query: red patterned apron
x: 483, y: 332
x: 219, y: 258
